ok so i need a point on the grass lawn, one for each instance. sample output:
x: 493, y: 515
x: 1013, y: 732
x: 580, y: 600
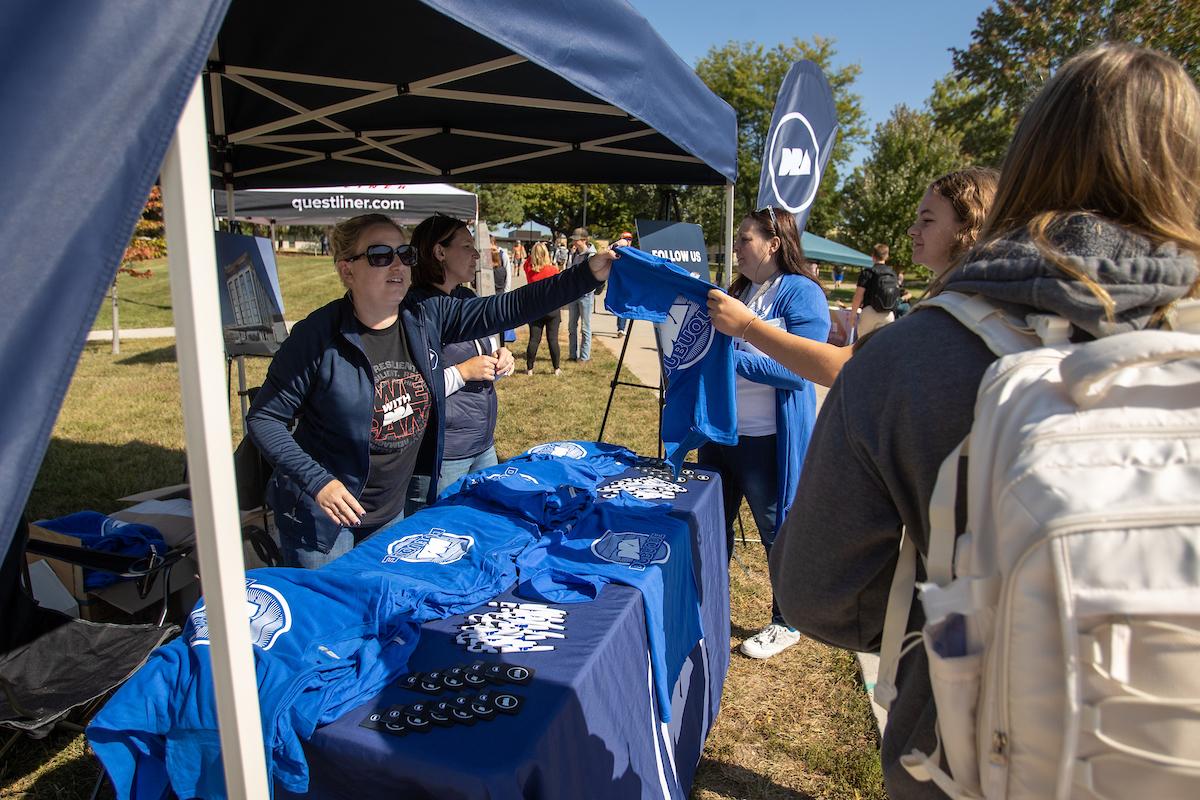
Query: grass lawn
x: 796, y: 726
x: 307, y: 283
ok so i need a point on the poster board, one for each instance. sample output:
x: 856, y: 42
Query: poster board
x: 251, y: 303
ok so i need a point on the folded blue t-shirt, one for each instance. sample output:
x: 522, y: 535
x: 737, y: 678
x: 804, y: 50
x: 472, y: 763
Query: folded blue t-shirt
x: 638, y: 544
x: 700, y: 403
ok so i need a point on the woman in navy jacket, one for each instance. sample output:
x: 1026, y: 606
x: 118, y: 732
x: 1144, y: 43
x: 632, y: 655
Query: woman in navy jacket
x: 361, y: 379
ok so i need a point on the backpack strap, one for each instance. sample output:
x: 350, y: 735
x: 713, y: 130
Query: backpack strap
x: 1001, y: 331
x: 939, y: 569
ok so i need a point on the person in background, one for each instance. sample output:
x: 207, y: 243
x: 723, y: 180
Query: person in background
x: 839, y: 275
x: 1095, y: 222
x: 579, y: 312
x: 356, y: 377
x: 775, y: 408
x: 625, y: 239
x: 470, y: 367
x: 538, y: 267
x: 561, y: 253
x: 948, y: 221
x: 870, y: 319
x: 500, y: 263
x: 517, y: 262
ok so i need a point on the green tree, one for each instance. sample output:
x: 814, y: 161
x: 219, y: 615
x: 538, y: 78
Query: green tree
x: 1018, y: 44
x: 748, y: 76
x: 907, y: 152
x: 499, y: 203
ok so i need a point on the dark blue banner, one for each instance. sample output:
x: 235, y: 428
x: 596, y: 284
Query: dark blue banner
x: 802, y: 134
x: 679, y: 242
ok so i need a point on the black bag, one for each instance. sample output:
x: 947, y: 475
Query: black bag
x: 883, y: 289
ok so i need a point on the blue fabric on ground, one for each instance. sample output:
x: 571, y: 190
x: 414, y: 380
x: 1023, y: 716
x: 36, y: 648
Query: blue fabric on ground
x: 324, y: 642
x: 96, y: 531
x: 701, y: 405
x: 637, y: 544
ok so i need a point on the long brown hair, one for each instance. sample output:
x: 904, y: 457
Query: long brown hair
x: 1115, y: 133
x: 435, y: 230
x: 777, y: 222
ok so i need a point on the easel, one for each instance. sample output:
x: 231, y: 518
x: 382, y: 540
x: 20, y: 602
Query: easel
x: 668, y: 209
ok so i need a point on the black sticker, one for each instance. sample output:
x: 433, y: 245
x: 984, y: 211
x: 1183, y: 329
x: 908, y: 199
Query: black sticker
x: 474, y: 679
x: 514, y: 673
x: 454, y: 679
x: 409, y: 681
x: 481, y: 706
x: 507, y: 702
x: 429, y: 685
x: 396, y: 728
x: 460, y: 710
x: 394, y: 714
x: 374, y: 721
x: 495, y: 673
x: 418, y: 723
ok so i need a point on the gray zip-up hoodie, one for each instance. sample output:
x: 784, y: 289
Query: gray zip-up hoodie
x: 899, y: 407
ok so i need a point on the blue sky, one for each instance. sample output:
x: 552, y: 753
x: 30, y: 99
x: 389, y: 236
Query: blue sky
x: 902, y: 47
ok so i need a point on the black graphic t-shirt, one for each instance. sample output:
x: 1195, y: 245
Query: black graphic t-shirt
x: 402, y: 401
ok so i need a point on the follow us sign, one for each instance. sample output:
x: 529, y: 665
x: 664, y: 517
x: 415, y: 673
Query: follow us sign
x: 803, y: 129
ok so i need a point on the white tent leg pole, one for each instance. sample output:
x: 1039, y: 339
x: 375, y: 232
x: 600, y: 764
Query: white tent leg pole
x: 727, y: 277
x: 200, y: 352
x: 116, y: 319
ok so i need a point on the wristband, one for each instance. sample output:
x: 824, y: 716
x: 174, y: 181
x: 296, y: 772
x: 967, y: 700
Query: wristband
x: 747, y: 328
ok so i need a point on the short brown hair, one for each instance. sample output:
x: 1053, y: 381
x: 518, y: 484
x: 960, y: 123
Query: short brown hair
x: 880, y: 253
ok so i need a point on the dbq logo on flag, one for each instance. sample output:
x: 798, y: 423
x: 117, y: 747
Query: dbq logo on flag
x: 803, y: 130
x: 793, y: 150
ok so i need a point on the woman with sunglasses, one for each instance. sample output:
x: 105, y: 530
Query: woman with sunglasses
x: 357, y: 377
x: 775, y: 408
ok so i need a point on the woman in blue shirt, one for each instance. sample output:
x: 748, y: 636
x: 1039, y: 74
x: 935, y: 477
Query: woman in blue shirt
x: 776, y: 408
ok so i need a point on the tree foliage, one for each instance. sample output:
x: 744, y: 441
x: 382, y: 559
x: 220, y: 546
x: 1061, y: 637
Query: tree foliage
x: 1018, y: 44
x: 907, y: 152
x: 748, y: 76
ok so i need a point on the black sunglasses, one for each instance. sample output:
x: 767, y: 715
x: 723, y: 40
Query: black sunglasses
x: 381, y: 255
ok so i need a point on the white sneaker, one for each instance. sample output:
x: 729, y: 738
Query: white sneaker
x: 773, y: 639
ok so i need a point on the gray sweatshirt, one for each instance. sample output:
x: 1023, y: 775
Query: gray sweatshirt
x: 898, y: 408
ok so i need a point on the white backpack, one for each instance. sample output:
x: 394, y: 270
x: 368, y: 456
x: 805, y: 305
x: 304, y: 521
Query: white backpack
x: 1063, y: 625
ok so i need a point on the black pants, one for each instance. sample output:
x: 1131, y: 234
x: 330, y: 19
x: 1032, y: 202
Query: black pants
x: 550, y: 322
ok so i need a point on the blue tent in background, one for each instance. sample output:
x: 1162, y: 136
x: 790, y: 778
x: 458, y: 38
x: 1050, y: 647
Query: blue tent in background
x: 819, y: 249
x: 297, y: 94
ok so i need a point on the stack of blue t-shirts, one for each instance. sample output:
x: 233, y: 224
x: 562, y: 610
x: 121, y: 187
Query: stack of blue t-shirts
x: 443, y: 560
x: 701, y: 404
x: 324, y: 642
x: 96, y: 531
x: 549, y: 492
x: 630, y: 542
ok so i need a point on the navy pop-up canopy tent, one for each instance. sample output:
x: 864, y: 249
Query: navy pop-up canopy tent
x: 298, y: 94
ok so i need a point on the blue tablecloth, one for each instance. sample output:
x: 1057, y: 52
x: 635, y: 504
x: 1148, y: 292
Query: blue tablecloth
x: 589, y: 726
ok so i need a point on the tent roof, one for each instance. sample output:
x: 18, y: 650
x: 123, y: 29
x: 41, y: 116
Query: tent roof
x: 495, y: 91
x: 408, y: 204
x: 819, y: 249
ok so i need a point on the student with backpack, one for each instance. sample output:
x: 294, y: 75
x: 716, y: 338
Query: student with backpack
x: 1063, y: 622
x: 876, y: 294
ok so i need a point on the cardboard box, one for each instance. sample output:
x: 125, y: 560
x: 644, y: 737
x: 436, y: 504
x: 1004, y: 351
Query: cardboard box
x: 168, y: 510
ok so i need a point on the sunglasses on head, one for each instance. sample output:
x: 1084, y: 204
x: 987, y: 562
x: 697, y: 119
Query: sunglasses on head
x: 771, y: 211
x: 381, y: 255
